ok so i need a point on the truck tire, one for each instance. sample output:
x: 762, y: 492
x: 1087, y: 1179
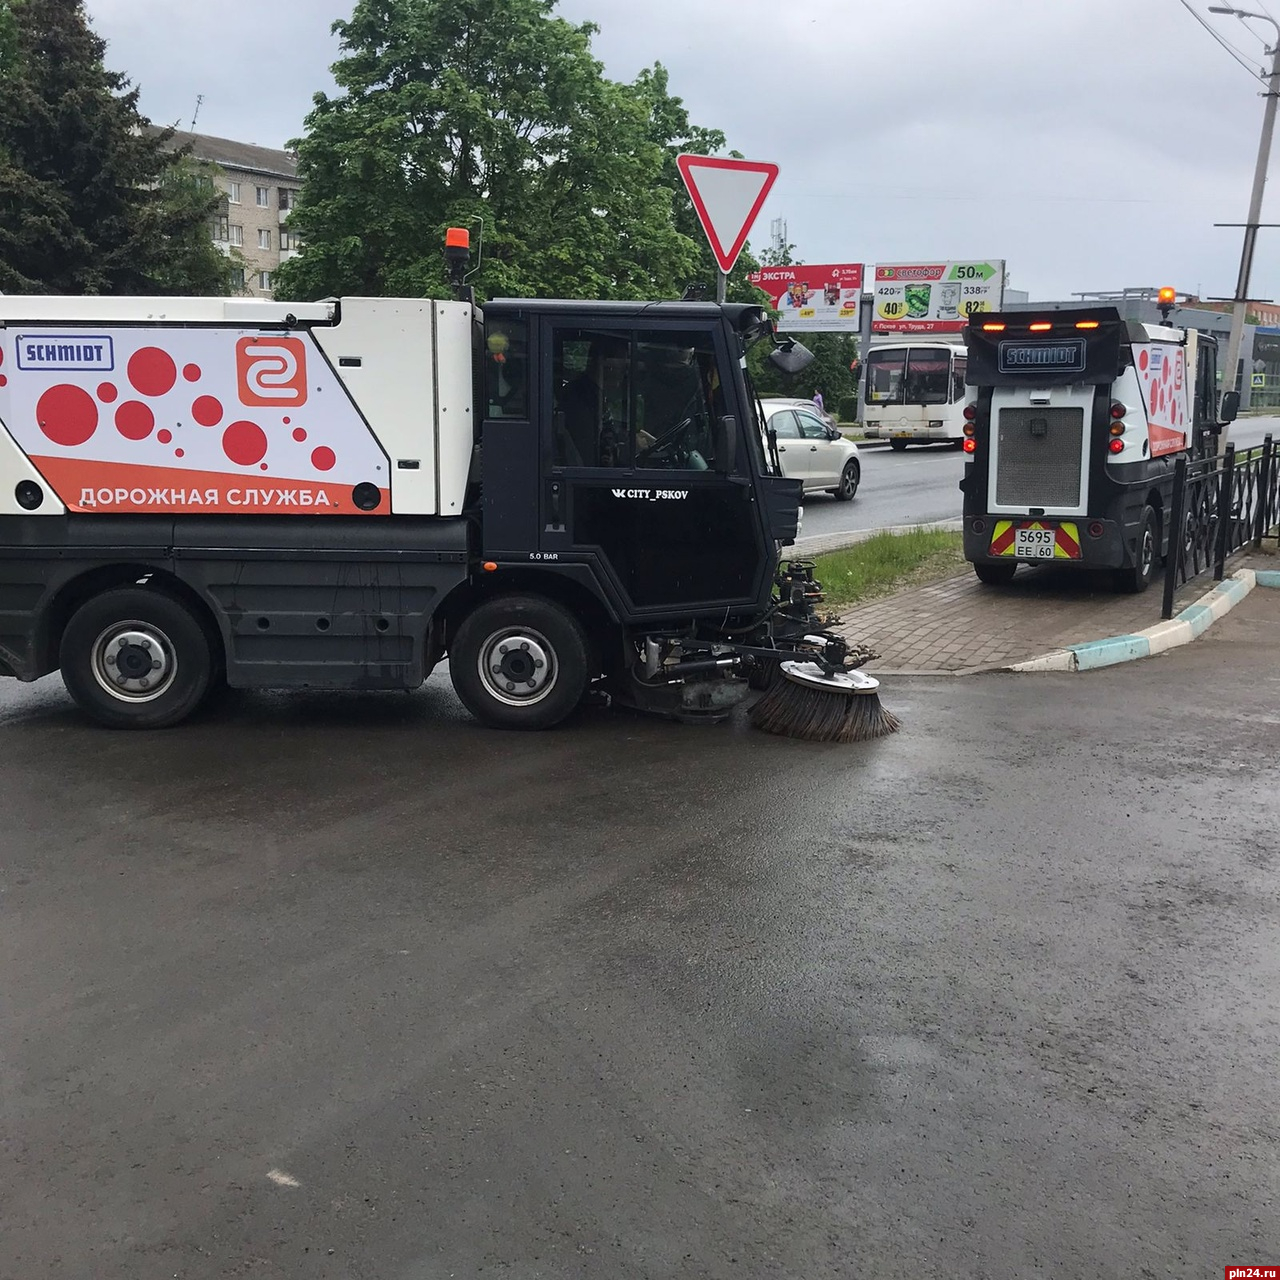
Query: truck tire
x: 849, y: 479
x: 1139, y: 576
x: 898, y: 445
x: 995, y: 575
x: 135, y: 658
x: 519, y: 662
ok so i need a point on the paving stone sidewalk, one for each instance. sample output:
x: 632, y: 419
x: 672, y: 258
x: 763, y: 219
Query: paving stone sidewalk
x: 960, y: 625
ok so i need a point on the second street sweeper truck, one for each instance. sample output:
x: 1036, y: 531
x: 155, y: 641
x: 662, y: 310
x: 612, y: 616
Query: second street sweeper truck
x: 557, y: 496
x: 1074, y: 422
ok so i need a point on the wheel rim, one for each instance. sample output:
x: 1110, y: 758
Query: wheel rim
x: 1148, y: 550
x: 849, y: 482
x: 517, y: 666
x: 134, y: 661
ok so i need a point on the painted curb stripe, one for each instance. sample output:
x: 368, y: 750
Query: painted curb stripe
x: 1189, y: 623
x: 1106, y: 653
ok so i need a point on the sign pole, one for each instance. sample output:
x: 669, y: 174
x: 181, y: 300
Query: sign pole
x: 722, y: 283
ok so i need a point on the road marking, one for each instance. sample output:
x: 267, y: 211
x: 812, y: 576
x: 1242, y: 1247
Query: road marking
x: 282, y: 1179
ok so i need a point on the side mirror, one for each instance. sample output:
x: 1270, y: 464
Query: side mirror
x: 1230, y: 408
x: 791, y: 358
x: 726, y: 443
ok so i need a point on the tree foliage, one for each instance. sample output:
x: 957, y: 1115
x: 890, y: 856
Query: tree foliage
x: 494, y: 116
x: 91, y: 198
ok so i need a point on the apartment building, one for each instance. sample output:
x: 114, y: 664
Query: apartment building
x: 259, y: 187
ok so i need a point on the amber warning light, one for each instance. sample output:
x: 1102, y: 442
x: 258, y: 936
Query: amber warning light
x: 457, y: 238
x: 1166, y: 299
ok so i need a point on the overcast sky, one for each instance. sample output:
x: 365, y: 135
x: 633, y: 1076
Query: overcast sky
x: 1091, y: 143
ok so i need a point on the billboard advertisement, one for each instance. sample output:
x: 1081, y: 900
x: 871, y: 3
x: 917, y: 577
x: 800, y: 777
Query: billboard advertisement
x: 938, y: 297
x: 820, y: 298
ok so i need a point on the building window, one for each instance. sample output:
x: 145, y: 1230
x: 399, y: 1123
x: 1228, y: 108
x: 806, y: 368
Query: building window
x: 236, y: 277
x: 264, y: 280
x: 264, y: 239
x: 221, y: 229
x: 237, y: 235
x: 264, y: 197
x: 233, y: 192
x: 288, y: 199
x: 290, y: 242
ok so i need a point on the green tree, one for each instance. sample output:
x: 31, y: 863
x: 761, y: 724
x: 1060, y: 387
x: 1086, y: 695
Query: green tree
x: 467, y: 112
x: 91, y: 198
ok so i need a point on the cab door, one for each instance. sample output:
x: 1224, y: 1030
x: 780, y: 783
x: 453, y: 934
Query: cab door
x: 632, y: 481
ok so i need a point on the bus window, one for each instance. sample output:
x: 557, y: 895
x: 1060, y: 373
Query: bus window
x: 884, y: 375
x: 958, y: 367
x: 928, y: 379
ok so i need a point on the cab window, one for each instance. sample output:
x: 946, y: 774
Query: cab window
x: 506, y: 367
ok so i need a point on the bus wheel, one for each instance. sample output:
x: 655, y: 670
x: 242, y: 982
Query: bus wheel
x: 898, y: 445
x: 1139, y: 576
x: 995, y: 575
x: 136, y: 659
x: 519, y: 662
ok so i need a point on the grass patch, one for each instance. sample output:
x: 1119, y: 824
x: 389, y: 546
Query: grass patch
x: 886, y: 561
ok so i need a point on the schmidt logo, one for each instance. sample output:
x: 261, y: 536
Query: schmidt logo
x: 1042, y: 357
x: 66, y: 352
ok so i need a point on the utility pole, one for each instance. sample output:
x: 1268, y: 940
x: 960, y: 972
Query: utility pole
x: 1255, y: 205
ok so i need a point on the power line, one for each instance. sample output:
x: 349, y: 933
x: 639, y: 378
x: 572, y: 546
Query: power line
x: 1237, y: 54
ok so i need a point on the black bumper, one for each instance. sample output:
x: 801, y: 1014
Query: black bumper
x: 1113, y: 547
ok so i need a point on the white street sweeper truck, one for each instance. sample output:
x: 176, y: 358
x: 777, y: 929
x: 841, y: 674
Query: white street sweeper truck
x: 558, y: 496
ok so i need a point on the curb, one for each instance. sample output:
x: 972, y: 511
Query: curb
x: 1192, y: 621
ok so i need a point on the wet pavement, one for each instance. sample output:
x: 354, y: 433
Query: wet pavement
x: 335, y: 987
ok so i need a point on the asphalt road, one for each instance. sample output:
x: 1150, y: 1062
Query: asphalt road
x: 919, y: 485
x: 352, y: 988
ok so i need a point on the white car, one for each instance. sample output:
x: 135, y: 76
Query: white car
x: 813, y: 451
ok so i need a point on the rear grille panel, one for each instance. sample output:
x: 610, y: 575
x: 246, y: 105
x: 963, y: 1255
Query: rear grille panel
x: 1038, y: 454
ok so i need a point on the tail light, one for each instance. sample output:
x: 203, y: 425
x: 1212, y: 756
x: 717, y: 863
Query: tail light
x: 1095, y: 530
x: 1040, y: 326
x: 969, y: 428
x: 978, y: 526
x: 970, y: 412
x: 1117, y: 428
x: 970, y: 445
x: 1118, y: 410
x: 1116, y: 446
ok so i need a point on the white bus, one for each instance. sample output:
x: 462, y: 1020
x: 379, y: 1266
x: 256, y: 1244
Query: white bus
x: 913, y: 391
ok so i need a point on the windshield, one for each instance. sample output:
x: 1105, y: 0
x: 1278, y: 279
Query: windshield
x: 909, y: 375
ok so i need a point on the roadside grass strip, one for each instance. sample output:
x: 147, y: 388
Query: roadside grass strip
x: 1191, y: 622
x: 884, y: 561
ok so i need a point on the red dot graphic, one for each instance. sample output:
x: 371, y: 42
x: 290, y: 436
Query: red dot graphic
x: 165, y: 437
x: 107, y: 393
x: 1, y: 355
x: 152, y: 371
x: 207, y: 411
x: 67, y: 415
x: 191, y: 372
x: 1142, y: 359
x: 323, y: 459
x: 264, y: 466
x: 286, y: 421
x: 179, y: 453
x: 244, y: 443
x: 298, y: 434
x: 134, y: 420
x: 4, y: 381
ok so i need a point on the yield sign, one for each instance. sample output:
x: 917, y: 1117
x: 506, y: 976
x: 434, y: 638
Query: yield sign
x: 727, y: 195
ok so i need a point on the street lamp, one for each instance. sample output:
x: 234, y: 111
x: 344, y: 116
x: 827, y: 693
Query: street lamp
x: 1255, y: 199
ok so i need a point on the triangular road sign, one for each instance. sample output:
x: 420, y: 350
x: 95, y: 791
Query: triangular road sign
x: 727, y: 195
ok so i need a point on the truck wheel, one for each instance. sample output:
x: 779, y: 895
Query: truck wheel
x: 136, y: 659
x: 898, y: 445
x: 995, y: 575
x: 519, y: 662
x: 848, y: 485
x: 1139, y: 576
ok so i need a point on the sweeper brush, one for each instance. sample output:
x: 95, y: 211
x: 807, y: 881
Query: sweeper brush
x: 810, y: 700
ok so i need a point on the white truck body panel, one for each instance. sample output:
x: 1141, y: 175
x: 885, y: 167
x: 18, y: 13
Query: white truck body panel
x: 165, y: 406
x: 1055, y: 400
x: 15, y: 467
